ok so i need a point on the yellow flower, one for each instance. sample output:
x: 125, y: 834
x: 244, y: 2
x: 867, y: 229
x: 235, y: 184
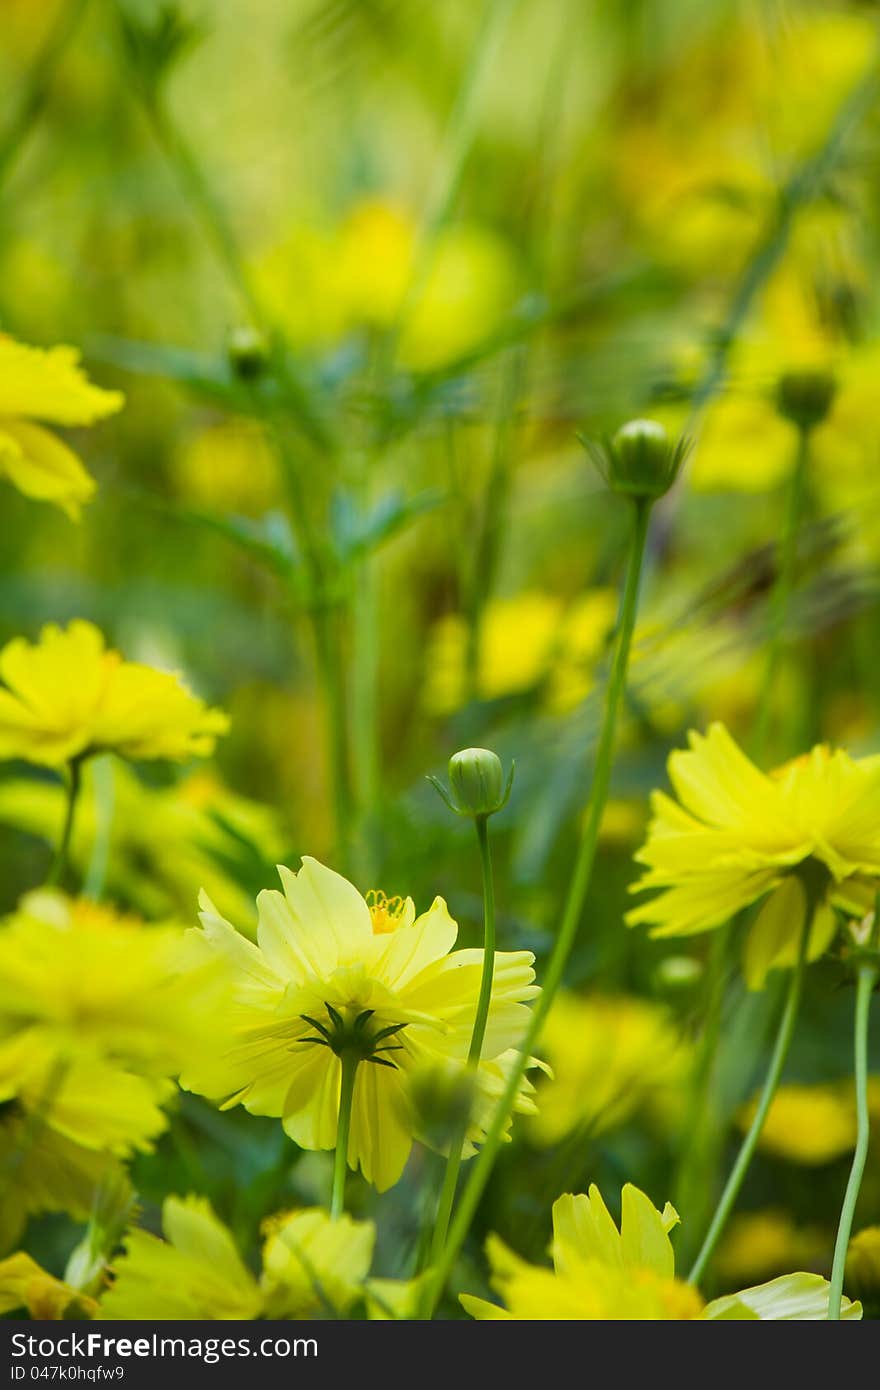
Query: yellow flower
x: 807, y: 1124
x: 609, y: 1058
x: 863, y: 1258
x: 196, y: 1272
x: 96, y: 1015
x: 23, y: 1284
x: 47, y: 385
x: 603, y: 1274
x: 320, y: 974
x: 67, y: 696
x: 736, y: 834
x: 315, y: 1265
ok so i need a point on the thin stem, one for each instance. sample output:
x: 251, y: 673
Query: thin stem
x: 475, y: 1050
x: 59, y: 862
x: 332, y: 680
x: 38, y: 82
x: 580, y: 882
x: 349, y: 1062
x: 865, y: 981
x: 780, y: 598
x: 771, y: 1083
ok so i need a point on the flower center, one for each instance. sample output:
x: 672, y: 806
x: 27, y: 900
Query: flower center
x: 385, y: 913
x: 354, y: 1036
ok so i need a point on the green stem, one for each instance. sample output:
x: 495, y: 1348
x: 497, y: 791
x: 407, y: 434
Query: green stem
x: 332, y: 680
x: 780, y: 598
x: 59, y: 862
x: 771, y: 1083
x: 866, y: 979
x: 349, y: 1062
x: 580, y: 882
x: 481, y: 1017
x: 39, y: 82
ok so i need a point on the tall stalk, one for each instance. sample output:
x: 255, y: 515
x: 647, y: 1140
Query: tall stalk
x: 580, y: 882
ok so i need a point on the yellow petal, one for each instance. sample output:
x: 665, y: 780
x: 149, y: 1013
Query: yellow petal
x: 42, y: 467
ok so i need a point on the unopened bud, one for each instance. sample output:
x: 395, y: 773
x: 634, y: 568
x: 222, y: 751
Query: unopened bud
x: 247, y: 352
x: 805, y: 398
x: 641, y: 461
x: 477, y: 784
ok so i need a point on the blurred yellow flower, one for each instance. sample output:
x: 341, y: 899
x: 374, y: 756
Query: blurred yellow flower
x: 736, y: 834
x: 47, y: 385
x: 863, y: 1258
x: 807, y: 1124
x: 163, y: 843
x: 41, y: 1170
x: 320, y: 970
x: 96, y: 1016
x: 601, y: 1274
x: 761, y: 1243
x: 525, y: 640
x: 609, y: 1058
x: 330, y: 281
x: 313, y: 1264
x: 228, y: 466
x: 196, y: 1272
x: 24, y: 1284
x: 67, y: 696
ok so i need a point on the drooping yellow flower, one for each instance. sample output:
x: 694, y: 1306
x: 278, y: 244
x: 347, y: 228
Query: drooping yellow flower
x: 67, y: 696
x: 25, y: 1285
x: 602, y: 1273
x: 196, y: 1272
x: 736, y: 834
x: 47, y: 385
x: 96, y: 1016
x: 41, y: 1170
x: 323, y: 978
x: 807, y: 1124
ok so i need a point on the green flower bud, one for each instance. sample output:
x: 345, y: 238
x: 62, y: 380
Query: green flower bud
x: 805, y: 398
x: 247, y: 352
x: 678, y: 973
x: 641, y: 461
x: 477, y: 785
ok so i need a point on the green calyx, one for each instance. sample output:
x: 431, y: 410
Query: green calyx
x: 354, y: 1038
x: 640, y: 461
x: 805, y: 398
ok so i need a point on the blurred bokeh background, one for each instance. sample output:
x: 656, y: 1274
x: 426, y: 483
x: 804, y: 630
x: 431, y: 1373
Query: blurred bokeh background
x: 364, y: 270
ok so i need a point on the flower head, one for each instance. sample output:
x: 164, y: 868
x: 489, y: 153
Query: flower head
x: 331, y: 976
x: 96, y: 1016
x: 47, y: 385
x: 605, y: 1273
x: 736, y: 834
x: 641, y: 461
x: 67, y: 696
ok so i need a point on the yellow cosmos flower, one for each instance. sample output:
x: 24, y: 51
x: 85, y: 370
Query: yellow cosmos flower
x: 314, y: 1265
x: 41, y: 1170
x: 67, y: 696
x: 50, y: 385
x: 760, y: 1243
x: 328, y: 973
x: 602, y: 1273
x: 25, y: 1285
x: 609, y: 1058
x: 736, y: 834
x: 96, y: 1016
x: 863, y: 1259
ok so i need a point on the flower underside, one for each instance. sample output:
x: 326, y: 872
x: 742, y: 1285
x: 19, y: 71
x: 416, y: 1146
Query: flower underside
x: 354, y: 1038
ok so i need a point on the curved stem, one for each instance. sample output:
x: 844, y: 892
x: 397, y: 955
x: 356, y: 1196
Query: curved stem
x: 59, y: 862
x: 349, y: 1064
x: 867, y: 978
x: 780, y: 598
x: 580, y: 882
x: 481, y: 1017
x: 771, y: 1083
